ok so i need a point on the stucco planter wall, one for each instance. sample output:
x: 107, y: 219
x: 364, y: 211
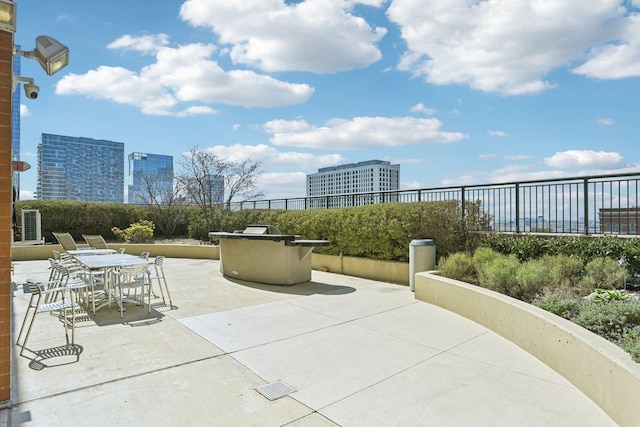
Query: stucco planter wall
x: 384, y: 271
x: 35, y: 252
x: 599, y: 368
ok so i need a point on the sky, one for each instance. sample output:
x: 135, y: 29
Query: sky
x: 458, y: 92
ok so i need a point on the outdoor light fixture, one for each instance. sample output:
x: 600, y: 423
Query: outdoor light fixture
x: 8, y: 15
x: 52, y: 55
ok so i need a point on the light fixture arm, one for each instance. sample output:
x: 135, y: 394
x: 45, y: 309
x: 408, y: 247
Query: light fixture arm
x: 31, y: 54
x: 18, y: 79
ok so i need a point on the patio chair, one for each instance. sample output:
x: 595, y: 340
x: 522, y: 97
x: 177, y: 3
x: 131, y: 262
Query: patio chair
x: 95, y: 241
x: 66, y: 241
x: 37, y: 305
x: 161, y: 278
x: 133, y: 277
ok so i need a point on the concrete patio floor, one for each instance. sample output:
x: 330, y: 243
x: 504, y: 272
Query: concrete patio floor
x: 357, y: 353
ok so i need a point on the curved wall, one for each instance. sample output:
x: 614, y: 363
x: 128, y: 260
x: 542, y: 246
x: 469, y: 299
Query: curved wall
x: 599, y: 368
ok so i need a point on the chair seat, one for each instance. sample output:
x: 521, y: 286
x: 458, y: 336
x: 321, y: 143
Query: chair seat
x: 56, y: 305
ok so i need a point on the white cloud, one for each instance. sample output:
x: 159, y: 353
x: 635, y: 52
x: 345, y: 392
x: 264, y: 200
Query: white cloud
x: 619, y: 59
x: 605, y: 121
x: 283, y: 185
x: 510, y: 46
x: 413, y: 185
x: 144, y: 44
x: 516, y: 156
x: 360, y: 133
x: 179, y: 76
x: 486, y: 156
x: 271, y: 157
x: 24, y: 111
x: 497, y: 133
x: 588, y: 159
x: 420, y: 108
x: 525, y: 173
x: 314, y: 35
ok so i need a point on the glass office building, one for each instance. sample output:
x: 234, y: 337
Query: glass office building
x: 150, y: 175
x: 80, y: 169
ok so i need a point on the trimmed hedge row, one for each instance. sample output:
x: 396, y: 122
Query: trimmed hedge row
x: 80, y: 218
x: 380, y: 231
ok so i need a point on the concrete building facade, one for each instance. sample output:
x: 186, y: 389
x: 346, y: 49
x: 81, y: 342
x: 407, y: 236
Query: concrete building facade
x: 362, y: 177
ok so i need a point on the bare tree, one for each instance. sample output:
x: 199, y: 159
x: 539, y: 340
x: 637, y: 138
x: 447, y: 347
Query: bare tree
x: 241, y: 182
x: 165, y: 202
x: 206, y: 179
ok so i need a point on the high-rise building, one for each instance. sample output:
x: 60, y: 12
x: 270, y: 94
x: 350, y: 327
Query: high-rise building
x: 362, y: 177
x: 81, y: 169
x: 15, y: 123
x: 150, y: 175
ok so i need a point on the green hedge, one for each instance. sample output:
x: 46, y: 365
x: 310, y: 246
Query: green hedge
x: 80, y: 218
x: 380, y: 231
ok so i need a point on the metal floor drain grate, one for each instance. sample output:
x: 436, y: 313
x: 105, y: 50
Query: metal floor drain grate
x: 276, y: 390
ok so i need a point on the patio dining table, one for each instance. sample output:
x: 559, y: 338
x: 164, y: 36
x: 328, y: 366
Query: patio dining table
x: 91, y: 251
x: 107, y: 263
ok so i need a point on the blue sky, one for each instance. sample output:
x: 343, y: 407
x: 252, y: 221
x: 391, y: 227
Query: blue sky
x: 455, y: 91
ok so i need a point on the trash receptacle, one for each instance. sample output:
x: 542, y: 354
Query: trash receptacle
x: 422, y: 257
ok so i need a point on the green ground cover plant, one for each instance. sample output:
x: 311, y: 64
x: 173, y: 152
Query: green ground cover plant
x: 588, y: 292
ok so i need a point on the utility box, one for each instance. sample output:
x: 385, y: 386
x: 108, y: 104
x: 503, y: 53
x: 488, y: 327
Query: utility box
x: 422, y: 257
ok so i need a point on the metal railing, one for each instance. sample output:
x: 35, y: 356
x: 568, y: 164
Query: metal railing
x: 600, y: 204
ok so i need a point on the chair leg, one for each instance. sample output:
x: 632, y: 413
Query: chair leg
x: 164, y: 279
x: 24, y: 322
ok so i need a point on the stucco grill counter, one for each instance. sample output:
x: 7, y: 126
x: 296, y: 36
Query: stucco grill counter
x: 260, y: 253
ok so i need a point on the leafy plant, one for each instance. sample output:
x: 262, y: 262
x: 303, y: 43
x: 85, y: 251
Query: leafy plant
x: 606, y: 295
x: 138, y: 232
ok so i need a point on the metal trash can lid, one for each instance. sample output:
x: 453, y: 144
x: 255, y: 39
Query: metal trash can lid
x: 424, y: 242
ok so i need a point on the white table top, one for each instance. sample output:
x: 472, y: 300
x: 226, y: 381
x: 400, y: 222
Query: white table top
x: 113, y: 260
x: 79, y: 252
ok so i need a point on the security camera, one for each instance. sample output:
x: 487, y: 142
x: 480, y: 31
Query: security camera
x: 31, y: 90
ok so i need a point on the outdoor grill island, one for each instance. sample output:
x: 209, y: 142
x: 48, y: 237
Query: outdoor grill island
x: 260, y: 253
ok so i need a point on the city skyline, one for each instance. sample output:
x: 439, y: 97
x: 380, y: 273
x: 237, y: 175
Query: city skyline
x: 456, y: 92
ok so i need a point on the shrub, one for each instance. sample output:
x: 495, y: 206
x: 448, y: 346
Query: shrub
x: 631, y: 343
x: 563, y: 270
x: 138, y: 232
x: 603, y: 273
x: 557, y: 304
x: 531, y: 278
x: 458, y: 266
x: 483, y: 255
x: 611, y: 320
x: 500, y: 275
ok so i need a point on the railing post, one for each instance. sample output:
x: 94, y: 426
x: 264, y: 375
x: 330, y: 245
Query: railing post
x: 462, y: 189
x: 517, y: 208
x: 586, y: 206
